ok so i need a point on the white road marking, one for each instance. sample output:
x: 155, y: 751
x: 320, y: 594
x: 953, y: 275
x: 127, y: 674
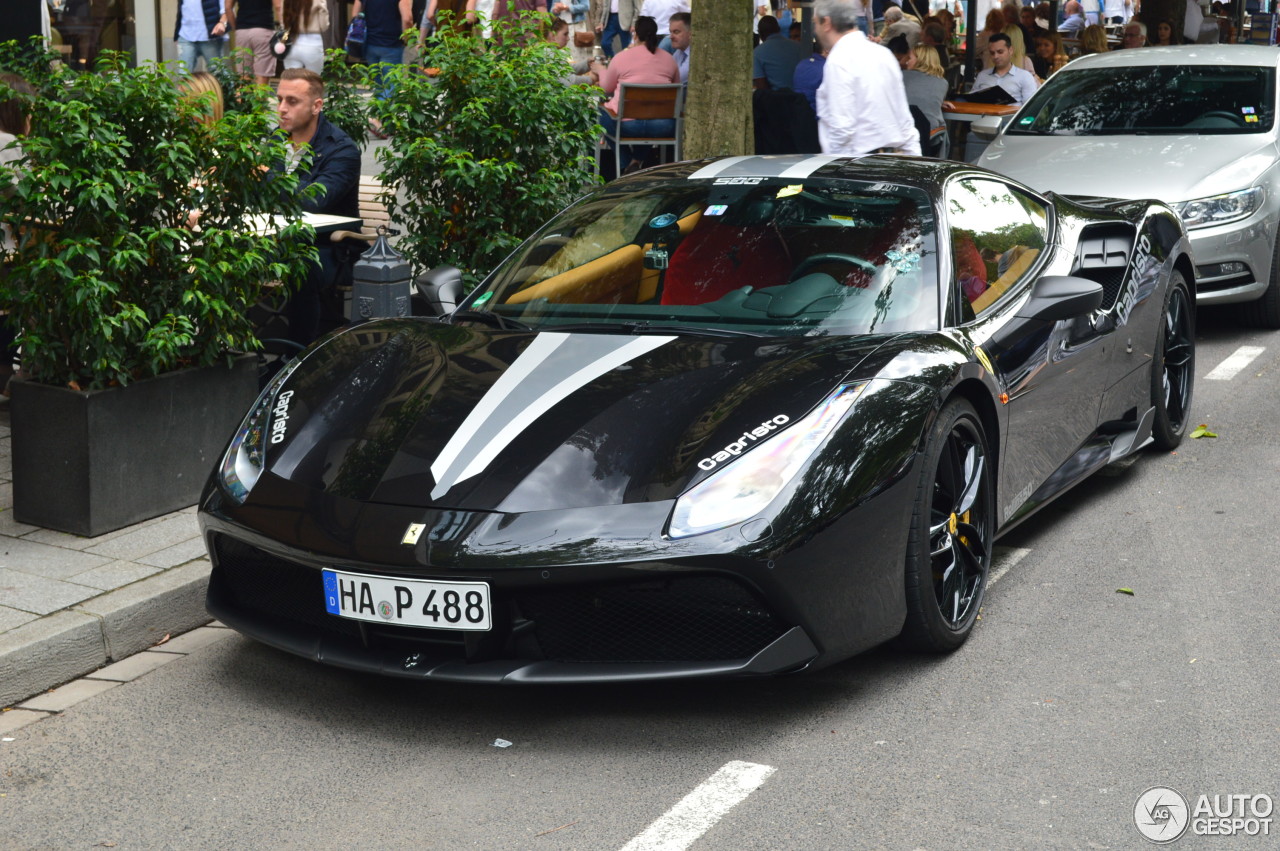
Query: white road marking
x: 699, y: 811
x: 1238, y: 360
x: 1003, y: 558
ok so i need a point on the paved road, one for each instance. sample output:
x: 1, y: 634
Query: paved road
x: 1070, y: 700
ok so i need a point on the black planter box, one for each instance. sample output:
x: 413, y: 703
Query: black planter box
x: 92, y: 462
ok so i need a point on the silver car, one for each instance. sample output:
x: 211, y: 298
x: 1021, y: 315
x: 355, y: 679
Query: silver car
x: 1193, y: 126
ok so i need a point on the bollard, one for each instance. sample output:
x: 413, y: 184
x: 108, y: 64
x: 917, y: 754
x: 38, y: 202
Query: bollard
x: 381, y: 282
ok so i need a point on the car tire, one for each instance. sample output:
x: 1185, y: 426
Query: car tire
x: 952, y: 526
x: 1173, y: 366
x: 1264, y: 311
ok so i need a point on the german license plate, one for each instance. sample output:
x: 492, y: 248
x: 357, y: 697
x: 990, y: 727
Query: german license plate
x: 408, y: 602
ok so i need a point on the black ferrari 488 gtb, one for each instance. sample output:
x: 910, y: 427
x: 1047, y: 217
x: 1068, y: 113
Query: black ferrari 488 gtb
x: 723, y: 418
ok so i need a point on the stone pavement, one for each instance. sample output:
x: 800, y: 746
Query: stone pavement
x: 70, y: 605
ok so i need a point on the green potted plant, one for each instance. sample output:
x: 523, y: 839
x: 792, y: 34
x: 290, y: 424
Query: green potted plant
x: 487, y: 143
x: 129, y: 314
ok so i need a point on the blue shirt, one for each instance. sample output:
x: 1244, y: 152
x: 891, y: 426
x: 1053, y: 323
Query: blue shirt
x: 1018, y: 82
x: 808, y: 77
x: 775, y: 60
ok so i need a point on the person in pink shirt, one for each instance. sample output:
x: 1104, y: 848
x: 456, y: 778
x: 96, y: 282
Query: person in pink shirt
x: 644, y: 63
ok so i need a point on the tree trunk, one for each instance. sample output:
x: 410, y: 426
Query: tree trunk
x: 718, y: 107
x: 1155, y: 11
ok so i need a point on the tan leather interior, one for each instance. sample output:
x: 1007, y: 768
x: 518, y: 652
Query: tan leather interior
x: 611, y: 279
x: 1022, y: 261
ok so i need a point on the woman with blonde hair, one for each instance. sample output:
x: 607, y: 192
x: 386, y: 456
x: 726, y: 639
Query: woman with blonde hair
x: 1093, y: 40
x: 202, y: 84
x: 1018, y: 47
x: 926, y: 85
x: 306, y: 20
x: 993, y: 25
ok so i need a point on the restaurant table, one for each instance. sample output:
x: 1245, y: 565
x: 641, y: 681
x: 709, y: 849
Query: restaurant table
x: 322, y: 223
x: 960, y: 114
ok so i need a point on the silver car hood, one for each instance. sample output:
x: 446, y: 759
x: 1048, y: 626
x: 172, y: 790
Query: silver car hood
x: 1169, y: 168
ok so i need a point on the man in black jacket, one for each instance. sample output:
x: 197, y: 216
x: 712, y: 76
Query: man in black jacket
x: 325, y: 156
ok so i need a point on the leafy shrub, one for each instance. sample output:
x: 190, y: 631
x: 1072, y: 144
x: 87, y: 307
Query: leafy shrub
x: 344, y: 106
x: 34, y: 61
x: 486, y: 145
x: 108, y: 283
x: 240, y: 90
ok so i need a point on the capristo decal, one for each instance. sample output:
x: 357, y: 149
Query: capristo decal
x: 740, y: 445
x: 280, y: 417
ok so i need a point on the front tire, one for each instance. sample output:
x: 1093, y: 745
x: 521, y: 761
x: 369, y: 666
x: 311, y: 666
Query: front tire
x: 1173, y: 366
x: 952, y: 527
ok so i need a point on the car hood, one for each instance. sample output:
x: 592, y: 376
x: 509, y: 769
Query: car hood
x: 418, y: 413
x: 1169, y: 168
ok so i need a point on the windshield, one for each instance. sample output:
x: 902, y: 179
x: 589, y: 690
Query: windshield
x: 1152, y: 100
x: 737, y: 255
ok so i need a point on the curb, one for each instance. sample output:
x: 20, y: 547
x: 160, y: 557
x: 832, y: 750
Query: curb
x: 52, y: 650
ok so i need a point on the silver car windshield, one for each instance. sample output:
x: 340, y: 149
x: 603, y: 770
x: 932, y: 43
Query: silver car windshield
x: 739, y: 255
x: 1152, y: 100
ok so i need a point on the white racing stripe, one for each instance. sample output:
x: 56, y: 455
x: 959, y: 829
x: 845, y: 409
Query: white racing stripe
x: 1003, y: 558
x: 1238, y: 360
x: 699, y: 811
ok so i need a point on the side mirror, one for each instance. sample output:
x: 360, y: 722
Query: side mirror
x: 440, y: 288
x: 987, y: 127
x: 1057, y: 297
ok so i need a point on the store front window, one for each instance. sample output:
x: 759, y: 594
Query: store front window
x: 81, y: 29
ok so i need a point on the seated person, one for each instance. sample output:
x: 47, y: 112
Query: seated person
x: 808, y: 76
x: 326, y: 156
x: 584, y: 72
x: 774, y: 62
x: 926, y: 86
x: 1001, y: 72
x: 1074, y: 22
x: 1049, y: 54
x: 641, y: 63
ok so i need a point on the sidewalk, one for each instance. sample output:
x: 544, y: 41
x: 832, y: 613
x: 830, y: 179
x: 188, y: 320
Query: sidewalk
x: 69, y: 605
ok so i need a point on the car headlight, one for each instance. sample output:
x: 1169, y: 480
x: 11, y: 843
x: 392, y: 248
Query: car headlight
x: 1221, y: 209
x: 246, y: 456
x: 746, y: 486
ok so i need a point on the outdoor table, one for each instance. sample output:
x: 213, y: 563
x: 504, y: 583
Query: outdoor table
x: 322, y: 223
x: 960, y: 114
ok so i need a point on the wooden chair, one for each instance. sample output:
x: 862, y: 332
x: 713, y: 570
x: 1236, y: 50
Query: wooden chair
x: 640, y: 101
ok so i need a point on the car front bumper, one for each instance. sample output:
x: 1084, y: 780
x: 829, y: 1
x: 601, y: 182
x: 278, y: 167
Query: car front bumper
x: 1233, y: 261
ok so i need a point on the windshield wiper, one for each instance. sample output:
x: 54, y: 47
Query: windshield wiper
x: 488, y: 317
x: 650, y: 328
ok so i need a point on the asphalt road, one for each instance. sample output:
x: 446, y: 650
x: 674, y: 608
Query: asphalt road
x: 1070, y: 700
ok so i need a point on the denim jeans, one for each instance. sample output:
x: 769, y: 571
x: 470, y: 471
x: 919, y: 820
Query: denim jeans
x: 612, y: 28
x: 651, y: 127
x: 377, y: 55
x: 188, y: 51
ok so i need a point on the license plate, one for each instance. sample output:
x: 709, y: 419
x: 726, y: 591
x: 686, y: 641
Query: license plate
x: 408, y: 602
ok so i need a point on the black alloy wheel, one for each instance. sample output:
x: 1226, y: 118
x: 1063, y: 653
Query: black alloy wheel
x: 949, y: 549
x: 1173, y: 367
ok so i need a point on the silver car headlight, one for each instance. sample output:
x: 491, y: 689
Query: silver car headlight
x: 1221, y: 209
x: 747, y: 484
x: 246, y: 456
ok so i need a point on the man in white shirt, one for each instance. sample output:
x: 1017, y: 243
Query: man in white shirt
x: 862, y: 105
x: 661, y: 12
x: 1019, y: 83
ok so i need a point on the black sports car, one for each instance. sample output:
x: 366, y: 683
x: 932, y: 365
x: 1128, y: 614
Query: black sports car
x: 731, y: 417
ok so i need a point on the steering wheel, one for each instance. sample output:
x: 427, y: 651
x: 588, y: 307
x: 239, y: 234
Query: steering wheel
x: 832, y: 257
x: 1235, y: 120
